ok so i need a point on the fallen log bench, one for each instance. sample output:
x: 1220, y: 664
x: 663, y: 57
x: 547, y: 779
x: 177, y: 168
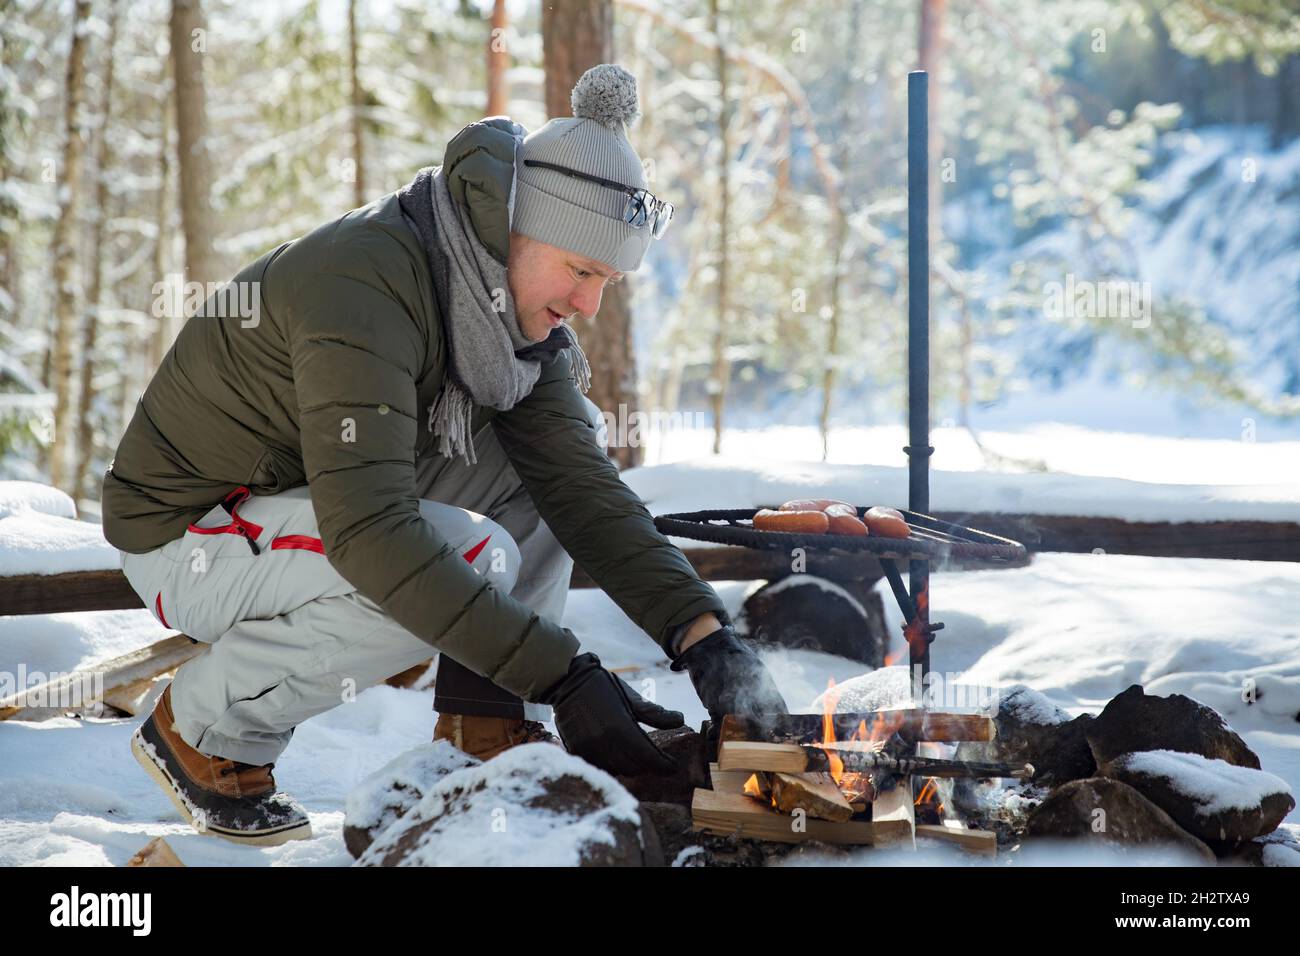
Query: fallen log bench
x: 123, y: 683
x: 107, y: 590
x: 829, y: 604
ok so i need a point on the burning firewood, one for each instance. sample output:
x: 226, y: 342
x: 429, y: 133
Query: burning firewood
x: 815, y: 793
x: 736, y: 815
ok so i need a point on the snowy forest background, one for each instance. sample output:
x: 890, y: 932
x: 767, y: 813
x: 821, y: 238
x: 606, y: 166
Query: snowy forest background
x: 147, y: 144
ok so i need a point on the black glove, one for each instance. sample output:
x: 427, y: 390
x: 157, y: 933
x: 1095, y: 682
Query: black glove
x: 650, y: 713
x: 729, y: 678
x: 596, y: 715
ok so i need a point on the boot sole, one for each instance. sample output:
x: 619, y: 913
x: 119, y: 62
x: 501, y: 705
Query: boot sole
x: 160, y: 775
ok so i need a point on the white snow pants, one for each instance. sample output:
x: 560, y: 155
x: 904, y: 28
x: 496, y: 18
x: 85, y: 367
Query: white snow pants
x: 291, y: 638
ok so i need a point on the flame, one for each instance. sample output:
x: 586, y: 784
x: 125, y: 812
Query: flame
x: 853, y: 785
x: 751, y: 787
x: 930, y: 795
x: 830, y: 700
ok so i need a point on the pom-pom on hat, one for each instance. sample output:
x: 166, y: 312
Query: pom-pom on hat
x: 575, y: 214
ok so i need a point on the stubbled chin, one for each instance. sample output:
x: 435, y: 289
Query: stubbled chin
x: 542, y: 331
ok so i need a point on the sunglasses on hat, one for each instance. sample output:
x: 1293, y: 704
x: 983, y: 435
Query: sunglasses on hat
x: 642, y: 207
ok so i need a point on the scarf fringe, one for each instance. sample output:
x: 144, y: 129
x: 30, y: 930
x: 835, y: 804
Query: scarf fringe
x: 581, y: 367
x: 451, y: 418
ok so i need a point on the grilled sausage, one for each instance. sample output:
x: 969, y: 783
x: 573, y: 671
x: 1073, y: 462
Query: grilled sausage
x: 795, y: 522
x: 887, y: 523
x: 844, y: 520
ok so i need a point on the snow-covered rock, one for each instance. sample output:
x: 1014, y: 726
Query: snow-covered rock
x: 1100, y: 810
x: 1135, y: 721
x: 880, y: 689
x: 388, y: 793
x: 1029, y: 728
x: 533, y: 805
x: 1217, y: 802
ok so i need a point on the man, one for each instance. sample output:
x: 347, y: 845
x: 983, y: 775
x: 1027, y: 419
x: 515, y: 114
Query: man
x: 393, y: 456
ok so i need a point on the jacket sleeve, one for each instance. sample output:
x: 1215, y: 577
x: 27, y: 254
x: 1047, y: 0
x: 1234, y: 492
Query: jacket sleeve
x: 356, y: 352
x: 598, y: 519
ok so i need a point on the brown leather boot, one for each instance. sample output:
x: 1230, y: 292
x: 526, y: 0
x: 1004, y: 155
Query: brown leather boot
x: 217, y: 796
x: 485, y: 737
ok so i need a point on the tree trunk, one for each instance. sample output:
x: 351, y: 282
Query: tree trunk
x: 577, y: 35
x: 838, y: 239
x: 103, y: 159
x: 721, y: 373
x: 197, y: 221
x: 840, y: 234
x: 931, y: 48
x: 358, y: 102
x: 498, y: 63
x: 64, y: 252
x: 10, y: 211
x: 161, y: 338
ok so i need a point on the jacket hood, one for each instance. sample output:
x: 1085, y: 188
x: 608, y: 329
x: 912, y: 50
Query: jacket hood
x: 481, y: 168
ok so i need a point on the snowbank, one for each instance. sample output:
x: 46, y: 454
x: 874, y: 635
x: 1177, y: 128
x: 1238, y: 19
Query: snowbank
x: 724, y: 482
x: 16, y: 496
x: 35, y: 543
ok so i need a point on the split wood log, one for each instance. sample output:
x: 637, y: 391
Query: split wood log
x: 982, y: 842
x: 893, y: 815
x: 736, y: 815
x: 733, y: 781
x: 134, y: 698
x: 814, y: 793
x: 156, y: 852
x: 117, y: 678
x: 410, y: 676
x: 728, y: 781
x: 758, y: 755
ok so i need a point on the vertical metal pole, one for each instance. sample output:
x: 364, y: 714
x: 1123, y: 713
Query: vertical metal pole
x: 918, y: 351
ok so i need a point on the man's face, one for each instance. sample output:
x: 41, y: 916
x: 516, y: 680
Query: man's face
x: 550, y: 284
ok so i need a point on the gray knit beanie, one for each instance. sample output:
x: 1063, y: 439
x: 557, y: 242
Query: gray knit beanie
x: 574, y: 214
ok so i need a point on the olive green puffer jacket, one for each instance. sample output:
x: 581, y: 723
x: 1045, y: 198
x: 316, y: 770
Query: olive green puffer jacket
x: 326, y: 389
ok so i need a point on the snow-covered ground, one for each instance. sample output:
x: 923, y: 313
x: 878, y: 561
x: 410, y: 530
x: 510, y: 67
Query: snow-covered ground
x: 1233, y: 456
x: 1080, y: 628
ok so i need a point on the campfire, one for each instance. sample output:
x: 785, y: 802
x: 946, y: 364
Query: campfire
x: 844, y: 778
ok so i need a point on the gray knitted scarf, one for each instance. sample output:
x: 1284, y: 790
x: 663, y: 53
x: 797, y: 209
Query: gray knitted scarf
x: 490, y: 362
